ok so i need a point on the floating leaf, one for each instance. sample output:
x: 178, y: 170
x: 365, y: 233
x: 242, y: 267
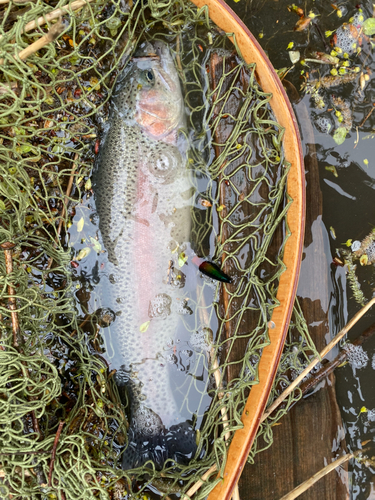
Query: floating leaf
x: 356, y: 245
x: 205, y: 203
x: 83, y: 253
x: 113, y: 22
x: 294, y: 56
x: 327, y: 58
x: 94, y: 83
x: 220, y: 208
x: 144, y: 326
x: 333, y: 232
x: 363, y: 410
x: 80, y: 224
x: 369, y: 26
x: 332, y: 168
x: 182, y: 258
x: 348, y: 243
x: 57, y: 149
x: 197, y: 436
x: 96, y: 245
x: 340, y: 135
x: 302, y: 23
x: 363, y: 260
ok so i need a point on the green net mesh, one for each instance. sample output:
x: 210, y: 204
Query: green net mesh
x: 63, y: 424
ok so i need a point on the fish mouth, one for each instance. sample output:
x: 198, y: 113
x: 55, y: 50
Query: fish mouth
x: 149, y: 57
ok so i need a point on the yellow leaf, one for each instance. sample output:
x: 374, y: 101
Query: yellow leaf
x: 96, y: 245
x: 342, y: 364
x: 83, y: 253
x: 363, y: 409
x: 332, y: 168
x: 363, y: 260
x: 88, y: 184
x: 290, y: 45
x: 348, y: 243
x: 80, y: 224
x: 219, y: 209
x: 182, y: 258
x: 144, y: 326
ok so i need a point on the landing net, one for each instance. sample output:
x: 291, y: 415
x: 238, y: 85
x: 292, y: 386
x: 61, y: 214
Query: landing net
x: 62, y: 422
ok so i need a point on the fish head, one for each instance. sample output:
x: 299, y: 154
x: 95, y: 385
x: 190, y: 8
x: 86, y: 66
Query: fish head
x: 149, y: 94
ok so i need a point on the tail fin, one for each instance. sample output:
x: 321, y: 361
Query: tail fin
x: 177, y: 443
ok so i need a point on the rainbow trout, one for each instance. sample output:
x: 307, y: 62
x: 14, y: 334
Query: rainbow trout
x: 143, y: 199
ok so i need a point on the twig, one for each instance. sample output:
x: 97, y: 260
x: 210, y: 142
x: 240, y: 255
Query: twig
x: 216, y: 372
x: 53, y: 453
x: 55, y: 14
x: 54, y: 31
x: 35, y: 423
x: 7, y: 247
x: 199, y: 483
x: 14, y: 1
x: 339, y: 359
x: 326, y: 46
x: 214, y: 366
x: 67, y: 194
x: 5, y: 88
x: 85, y: 320
x: 307, y: 484
x: 321, y: 355
x: 65, y: 205
x: 368, y: 115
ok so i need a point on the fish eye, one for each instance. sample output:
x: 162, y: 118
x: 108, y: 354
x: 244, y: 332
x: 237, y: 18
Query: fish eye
x: 149, y: 74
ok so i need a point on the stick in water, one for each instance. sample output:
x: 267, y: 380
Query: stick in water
x: 54, y: 31
x: 322, y: 354
x: 53, y: 454
x: 7, y: 247
x: 312, y: 480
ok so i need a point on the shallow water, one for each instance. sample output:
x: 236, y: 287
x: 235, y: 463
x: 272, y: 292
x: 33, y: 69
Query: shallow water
x: 348, y: 201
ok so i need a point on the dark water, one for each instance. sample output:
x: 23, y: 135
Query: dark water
x: 348, y: 199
